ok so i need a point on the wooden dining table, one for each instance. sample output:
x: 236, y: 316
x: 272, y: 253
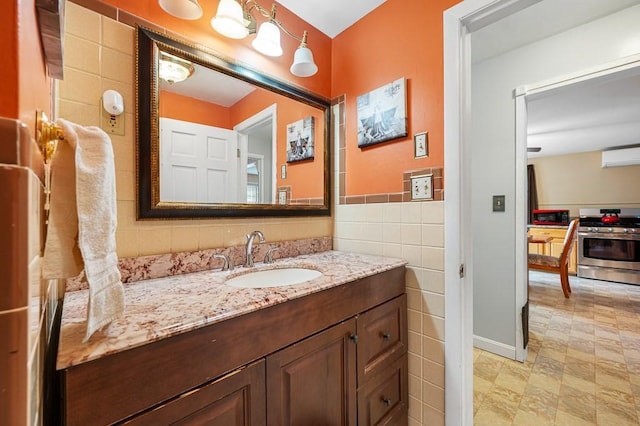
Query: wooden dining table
x: 539, y: 238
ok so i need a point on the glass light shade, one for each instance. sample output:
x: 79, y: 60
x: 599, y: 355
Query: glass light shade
x: 174, y: 70
x: 303, y: 65
x: 183, y: 9
x: 267, y: 41
x: 229, y: 20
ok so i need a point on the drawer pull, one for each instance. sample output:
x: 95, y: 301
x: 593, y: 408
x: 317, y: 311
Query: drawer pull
x: 387, y: 401
x: 386, y: 336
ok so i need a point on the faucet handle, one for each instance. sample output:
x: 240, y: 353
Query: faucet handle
x: 268, y: 258
x: 258, y: 234
x: 227, y: 263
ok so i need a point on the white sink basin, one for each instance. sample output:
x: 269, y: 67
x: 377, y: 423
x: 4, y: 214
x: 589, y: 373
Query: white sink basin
x: 274, y: 278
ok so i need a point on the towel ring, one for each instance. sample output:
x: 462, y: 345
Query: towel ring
x: 48, y: 135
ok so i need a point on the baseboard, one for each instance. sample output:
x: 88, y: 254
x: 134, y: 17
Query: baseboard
x: 494, y: 347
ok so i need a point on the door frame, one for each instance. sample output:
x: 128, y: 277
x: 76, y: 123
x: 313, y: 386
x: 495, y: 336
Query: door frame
x: 243, y: 128
x: 260, y: 160
x: 459, y: 22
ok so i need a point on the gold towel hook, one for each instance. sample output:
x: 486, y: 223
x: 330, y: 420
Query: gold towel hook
x: 48, y: 135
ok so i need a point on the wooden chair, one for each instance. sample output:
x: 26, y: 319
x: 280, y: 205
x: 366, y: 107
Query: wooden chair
x: 555, y: 264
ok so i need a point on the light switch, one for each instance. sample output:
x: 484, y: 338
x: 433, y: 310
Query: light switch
x: 422, y: 187
x: 498, y: 203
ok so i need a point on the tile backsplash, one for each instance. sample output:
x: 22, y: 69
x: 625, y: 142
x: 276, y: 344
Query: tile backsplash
x: 168, y: 264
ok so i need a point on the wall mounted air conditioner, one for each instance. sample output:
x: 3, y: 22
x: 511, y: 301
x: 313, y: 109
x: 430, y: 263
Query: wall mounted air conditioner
x: 621, y: 157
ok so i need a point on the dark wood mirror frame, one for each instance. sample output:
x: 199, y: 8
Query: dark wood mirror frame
x: 149, y: 206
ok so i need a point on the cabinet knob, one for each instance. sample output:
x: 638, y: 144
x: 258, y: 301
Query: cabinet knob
x: 386, y: 336
x: 386, y: 401
x: 354, y: 338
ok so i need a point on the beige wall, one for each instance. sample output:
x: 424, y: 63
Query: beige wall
x: 100, y: 55
x: 414, y: 232
x: 578, y: 181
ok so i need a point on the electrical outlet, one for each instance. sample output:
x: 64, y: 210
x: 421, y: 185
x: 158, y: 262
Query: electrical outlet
x: 422, y: 187
x: 112, y: 124
x: 282, y: 197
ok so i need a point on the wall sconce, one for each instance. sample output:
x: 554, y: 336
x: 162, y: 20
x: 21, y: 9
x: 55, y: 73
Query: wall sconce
x: 183, y: 9
x: 235, y: 19
x: 173, y: 69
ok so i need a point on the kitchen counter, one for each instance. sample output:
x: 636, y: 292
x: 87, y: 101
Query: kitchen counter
x: 565, y: 227
x: 164, y: 307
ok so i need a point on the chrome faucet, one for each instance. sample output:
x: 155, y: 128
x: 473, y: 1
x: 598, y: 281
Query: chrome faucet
x: 227, y: 263
x: 250, y: 238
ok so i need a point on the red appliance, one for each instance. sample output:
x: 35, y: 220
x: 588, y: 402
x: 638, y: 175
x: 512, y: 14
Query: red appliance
x: 551, y: 217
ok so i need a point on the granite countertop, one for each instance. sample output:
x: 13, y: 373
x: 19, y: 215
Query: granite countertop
x: 164, y: 307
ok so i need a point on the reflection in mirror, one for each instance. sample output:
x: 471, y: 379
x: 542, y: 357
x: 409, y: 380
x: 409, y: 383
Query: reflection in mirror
x: 216, y: 134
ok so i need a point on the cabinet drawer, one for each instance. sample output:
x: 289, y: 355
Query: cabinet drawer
x: 383, y: 400
x: 237, y: 399
x: 382, y: 336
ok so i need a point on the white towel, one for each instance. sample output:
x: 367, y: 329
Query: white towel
x: 97, y: 220
x: 62, y: 257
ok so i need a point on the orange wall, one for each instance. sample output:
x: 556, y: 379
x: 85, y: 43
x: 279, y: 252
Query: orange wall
x: 303, y: 176
x: 401, y: 38
x: 186, y: 108
x: 35, y: 91
x: 241, y: 50
x: 9, y: 72
x: 25, y: 86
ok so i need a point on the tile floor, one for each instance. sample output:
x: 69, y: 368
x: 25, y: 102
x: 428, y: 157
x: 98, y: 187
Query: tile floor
x: 583, y: 366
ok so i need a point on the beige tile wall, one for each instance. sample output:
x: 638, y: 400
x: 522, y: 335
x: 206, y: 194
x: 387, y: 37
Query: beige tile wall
x: 415, y: 232
x: 100, y: 55
x: 27, y: 302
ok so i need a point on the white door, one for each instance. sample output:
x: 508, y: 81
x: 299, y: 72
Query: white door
x: 198, y: 163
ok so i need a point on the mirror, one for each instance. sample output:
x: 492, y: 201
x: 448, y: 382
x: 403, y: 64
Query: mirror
x: 227, y: 141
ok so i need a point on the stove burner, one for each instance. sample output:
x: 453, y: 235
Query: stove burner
x: 610, y: 219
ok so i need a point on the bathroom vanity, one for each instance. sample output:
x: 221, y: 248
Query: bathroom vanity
x: 332, y: 351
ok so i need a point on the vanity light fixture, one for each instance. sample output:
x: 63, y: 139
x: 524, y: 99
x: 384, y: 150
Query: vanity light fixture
x: 235, y: 19
x: 173, y: 69
x: 183, y: 9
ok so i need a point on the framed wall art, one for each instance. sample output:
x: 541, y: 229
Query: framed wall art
x: 300, y: 141
x: 382, y: 114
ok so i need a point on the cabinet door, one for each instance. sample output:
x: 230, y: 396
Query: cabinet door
x: 535, y: 248
x: 236, y: 399
x: 382, y: 336
x: 313, y: 382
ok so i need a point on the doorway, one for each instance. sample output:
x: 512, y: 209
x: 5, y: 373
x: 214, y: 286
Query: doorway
x: 460, y: 205
x: 258, y: 156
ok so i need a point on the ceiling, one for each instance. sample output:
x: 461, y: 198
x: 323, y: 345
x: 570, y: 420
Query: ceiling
x: 210, y: 86
x: 590, y: 116
x: 331, y: 16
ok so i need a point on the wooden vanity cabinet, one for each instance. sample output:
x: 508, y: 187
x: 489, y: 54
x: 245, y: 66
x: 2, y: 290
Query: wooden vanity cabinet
x: 335, y: 357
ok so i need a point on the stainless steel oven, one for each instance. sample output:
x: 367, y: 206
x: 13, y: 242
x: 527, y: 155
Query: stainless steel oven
x: 609, y: 245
